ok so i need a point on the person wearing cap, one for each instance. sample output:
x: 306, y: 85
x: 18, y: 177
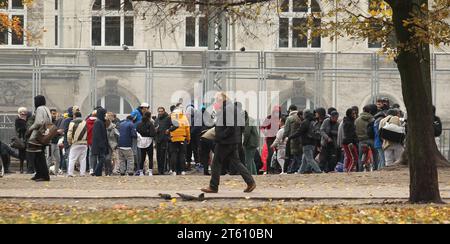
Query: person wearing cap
x: 330, y: 147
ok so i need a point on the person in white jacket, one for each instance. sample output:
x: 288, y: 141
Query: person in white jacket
x: 279, y: 145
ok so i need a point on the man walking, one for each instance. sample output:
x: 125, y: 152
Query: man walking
x: 228, y: 139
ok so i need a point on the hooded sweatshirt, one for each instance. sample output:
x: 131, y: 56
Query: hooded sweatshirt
x: 361, y: 124
x: 304, y: 131
x: 99, y: 135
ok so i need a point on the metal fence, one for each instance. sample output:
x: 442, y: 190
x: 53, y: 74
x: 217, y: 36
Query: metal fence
x: 309, y: 79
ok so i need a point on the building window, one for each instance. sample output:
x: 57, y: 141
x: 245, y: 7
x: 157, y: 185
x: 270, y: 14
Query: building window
x: 14, y: 10
x: 293, y: 28
x: 116, y: 104
x: 112, y: 23
x: 196, y: 27
x: 374, y: 8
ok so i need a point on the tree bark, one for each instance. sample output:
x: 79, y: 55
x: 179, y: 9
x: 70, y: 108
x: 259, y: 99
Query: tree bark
x: 414, y: 67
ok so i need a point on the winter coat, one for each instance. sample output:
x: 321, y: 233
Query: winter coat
x: 20, y: 126
x: 349, y: 131
x: 99, y: 137
x: 329, y: 130
x: 304, y: 131
x: 146, y: 129
x: 127, y: 132
x: 42, y: 118
x: 90, y: 126
x: 180, y: 130
x: 393, y: 120
x: 66, y: 124
x: 251, y: 134
x: 162, y: 123
x: 280, y: 142
x: 361, y: 124
x: 77, y: 133
x: 228, y: 132
x: 113, y: 136
x: 292, y: 125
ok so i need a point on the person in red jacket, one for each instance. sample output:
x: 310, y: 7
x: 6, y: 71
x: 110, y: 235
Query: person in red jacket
x: 90, y: 126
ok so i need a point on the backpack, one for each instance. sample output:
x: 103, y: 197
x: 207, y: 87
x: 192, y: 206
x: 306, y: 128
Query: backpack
x: 371, y: 130
x: 437, y: 126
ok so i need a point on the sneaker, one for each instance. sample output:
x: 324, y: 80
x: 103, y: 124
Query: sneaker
x: 141, y: 173
x: 174, y: 173
x: 91, y: 172
x: 183, y: 173
x: 150, y: 172
x: 170, y: 172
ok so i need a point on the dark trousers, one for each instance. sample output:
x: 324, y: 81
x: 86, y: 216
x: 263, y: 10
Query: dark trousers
x: 6, y: 160
x: 38, y: 160
x: 192, y: 149
x: 228, y: 154
x: 206, y: 147
x: 269, y: 142
x: 328, y: 157
x: 161, y: 157
x: 144, y: 152
x: 100, y: 161
x: 177, y: 152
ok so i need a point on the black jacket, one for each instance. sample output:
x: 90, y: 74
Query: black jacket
x: 162, y: 123
x: 99, y: 136
x: 229, y: 132
x: 349, y: 131
x: 21, y: 128
x: 305, y: 130
x: 146, y: 129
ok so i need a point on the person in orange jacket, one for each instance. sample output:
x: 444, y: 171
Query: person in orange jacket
x: 179, y: 136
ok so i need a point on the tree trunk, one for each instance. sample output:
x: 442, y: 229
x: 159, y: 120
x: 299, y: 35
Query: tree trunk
x: 414, y: 67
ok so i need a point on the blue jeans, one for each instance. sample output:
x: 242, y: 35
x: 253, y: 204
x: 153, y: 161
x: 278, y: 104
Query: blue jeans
x: 308, y: 160
x: 381, y: 160
x: 295, y: 163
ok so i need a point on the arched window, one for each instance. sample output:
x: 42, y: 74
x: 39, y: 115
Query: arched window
x: 112, y: 23
x: 293, y: 22
x: 15, y: 10
x: 116, y: 104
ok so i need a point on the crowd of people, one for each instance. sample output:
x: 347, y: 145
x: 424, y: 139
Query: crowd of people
x: 187, y: 139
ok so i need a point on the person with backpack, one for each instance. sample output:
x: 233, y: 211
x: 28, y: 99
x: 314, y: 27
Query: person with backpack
x: 35, y: 148
x: 145, y: 133
x: 392, y: 140
x: 77, y: 139
x: 308, y: 138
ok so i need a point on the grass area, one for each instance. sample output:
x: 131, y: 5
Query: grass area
x: 270, y: 213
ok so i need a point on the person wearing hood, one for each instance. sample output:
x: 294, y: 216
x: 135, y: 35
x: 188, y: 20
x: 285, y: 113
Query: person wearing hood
x: 100, y: 147
x: 179, y: 136
x: 361, y: 125
x: 292, y: 125
x: 330, y: 148
x: 77, y: 139
x: 35, y: 149
x: 305, y: 132
x: 350, y: 140
x: 162, y: 125
x: 90, y: 126
x: 20, y: 126
x: 228, y: 138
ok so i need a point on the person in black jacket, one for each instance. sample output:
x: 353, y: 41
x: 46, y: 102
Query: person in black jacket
x: 228, y: 139
x: 305, y: 132
x: 350, y: 140
x: 146, y: 129
x: 20, y: 126
x: 100, y: 146
x: 162, y: 125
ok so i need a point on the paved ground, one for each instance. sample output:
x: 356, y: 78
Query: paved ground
x: 384, y: 185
